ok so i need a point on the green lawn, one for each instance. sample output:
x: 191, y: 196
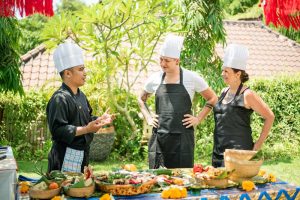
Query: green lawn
x: 287, y: 170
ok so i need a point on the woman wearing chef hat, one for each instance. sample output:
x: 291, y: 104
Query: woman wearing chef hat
x: 172, y: 142
x: 235, y: 106
x: 69, y: 114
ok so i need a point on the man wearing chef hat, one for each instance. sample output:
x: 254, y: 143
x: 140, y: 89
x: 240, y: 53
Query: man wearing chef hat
x: 69, y: 113
x: 172, y: 142
x: 235, y: 106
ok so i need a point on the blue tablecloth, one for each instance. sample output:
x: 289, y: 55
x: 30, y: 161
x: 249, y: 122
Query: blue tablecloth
x: 267, y: 191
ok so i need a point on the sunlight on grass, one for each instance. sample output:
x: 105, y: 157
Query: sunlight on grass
x: 286, y: 170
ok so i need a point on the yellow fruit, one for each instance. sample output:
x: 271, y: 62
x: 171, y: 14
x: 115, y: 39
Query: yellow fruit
x: 130, y: 167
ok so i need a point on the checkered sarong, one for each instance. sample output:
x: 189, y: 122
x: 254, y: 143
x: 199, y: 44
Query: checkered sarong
x: 72, y: 160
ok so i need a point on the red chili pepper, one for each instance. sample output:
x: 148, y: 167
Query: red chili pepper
x: 198, y: 168
x: 168, y: 181
x: 132, y: 181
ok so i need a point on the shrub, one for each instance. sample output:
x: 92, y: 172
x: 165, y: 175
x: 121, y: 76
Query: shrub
x: 23, y: 124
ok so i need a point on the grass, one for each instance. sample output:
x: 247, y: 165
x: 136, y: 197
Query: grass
x: 284, y: 169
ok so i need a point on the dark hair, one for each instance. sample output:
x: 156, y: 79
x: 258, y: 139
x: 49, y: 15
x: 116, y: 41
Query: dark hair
x: 244, y: 76
x: 61, y: 73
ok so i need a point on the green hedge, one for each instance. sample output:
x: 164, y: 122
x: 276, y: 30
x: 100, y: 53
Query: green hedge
x: 282, y: 95
x: 24, y: 116
x: 23, y: 124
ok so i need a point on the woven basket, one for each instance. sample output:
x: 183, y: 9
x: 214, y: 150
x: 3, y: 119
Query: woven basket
x: 243, y: 169
x: 219, y: 183
x: 126, y: 190
x: 43, y: 194
x: 81, y: 192
x: 102, y: 143
x: 239, y: 154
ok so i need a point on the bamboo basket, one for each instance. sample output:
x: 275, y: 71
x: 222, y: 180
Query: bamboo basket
x: 243, y: 169
x: 81, y: 192
x: 219, y: 183
x: 102, y: 143
x: 239, y: 154
x: 126, y: 190
x: 43, y: 194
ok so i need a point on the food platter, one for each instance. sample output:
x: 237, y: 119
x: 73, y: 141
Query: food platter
x: 81, y: 192
x: 125, y: 183
x: 126, y: 190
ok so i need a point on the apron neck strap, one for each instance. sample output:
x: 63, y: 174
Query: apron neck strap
x: 181, y: 76
x: 164, y: 75
x: 239, y: 90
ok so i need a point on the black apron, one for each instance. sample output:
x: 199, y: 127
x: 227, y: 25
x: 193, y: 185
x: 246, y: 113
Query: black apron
x: 232, y: 127
x: 172, y: 144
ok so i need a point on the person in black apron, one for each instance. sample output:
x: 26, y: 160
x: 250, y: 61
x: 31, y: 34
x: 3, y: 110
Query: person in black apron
x: 172, y: 142
x: 69, y: 114
x: 234, y: 108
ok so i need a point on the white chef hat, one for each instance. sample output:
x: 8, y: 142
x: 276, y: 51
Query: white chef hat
x: 67, y: 55
x: 172, y: 46
x: 236, y: 56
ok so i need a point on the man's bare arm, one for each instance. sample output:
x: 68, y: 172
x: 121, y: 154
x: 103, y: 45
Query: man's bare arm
x: 142, y: 99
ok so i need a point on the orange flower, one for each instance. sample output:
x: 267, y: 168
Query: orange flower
x: 175, y: 193
x: 105, y: 197
x: 248, y: 185
x: 183, y: 192
x: 24, y: 186
x: 272, y: 178
x: 166, y: 194
x: 56, y: 198
x: 261, y: 172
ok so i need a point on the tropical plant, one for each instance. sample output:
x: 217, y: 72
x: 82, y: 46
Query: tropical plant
x: 202, y: 22
x: 233, y: 7
x: 10, y: 73
x: 31, y: 28
x: 69, y: 5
